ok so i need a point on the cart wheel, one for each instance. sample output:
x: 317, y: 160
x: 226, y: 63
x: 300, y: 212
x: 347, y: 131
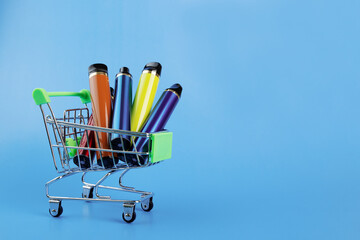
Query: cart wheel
x: 129, y: 214
x: 129, y: 219
x: 147, y: 205
x: 88, y: 193
x: 86, y: 196
x: 55, y: 209
x: 56, y: 213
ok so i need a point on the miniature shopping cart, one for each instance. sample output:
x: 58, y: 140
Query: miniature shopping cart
x: 72, y: 127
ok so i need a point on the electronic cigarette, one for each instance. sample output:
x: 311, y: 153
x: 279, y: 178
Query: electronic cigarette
x: 158, y: 117
x: 87, y: 140
x: 145, y: 95
x: 122, y: 109
x: 101, y: 109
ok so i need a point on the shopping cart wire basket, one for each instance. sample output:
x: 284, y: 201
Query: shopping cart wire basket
x: 65, y: 136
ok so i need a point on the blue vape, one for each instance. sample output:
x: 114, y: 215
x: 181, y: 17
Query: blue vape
x: 122, y: 109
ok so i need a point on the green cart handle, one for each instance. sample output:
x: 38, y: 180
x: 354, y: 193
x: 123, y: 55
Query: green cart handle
x: 41, y: 96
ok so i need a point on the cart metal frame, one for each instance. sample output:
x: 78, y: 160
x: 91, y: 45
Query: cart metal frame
x: 74, y: 125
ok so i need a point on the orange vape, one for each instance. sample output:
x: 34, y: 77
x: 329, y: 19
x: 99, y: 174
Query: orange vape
x: 101, y: 109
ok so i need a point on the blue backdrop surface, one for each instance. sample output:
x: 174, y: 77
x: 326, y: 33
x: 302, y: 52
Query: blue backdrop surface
x: 266, y: 134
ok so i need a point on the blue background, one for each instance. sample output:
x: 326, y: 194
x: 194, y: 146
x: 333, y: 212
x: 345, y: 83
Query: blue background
x: 266, y: 135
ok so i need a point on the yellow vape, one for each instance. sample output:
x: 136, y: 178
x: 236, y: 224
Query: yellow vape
x: 145, y: 95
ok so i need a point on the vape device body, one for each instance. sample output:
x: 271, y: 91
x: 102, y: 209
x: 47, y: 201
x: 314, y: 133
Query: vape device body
x: 87, y: 140
x: 101, y: 109
x: 122, y: 109
x: 145, y: 95
x: 159, y: 116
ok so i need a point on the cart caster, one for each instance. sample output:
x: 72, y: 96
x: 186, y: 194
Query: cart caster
x: 88, y: 192
x: 55, y: 209
x: 129, y: 214
x: 147, y: 205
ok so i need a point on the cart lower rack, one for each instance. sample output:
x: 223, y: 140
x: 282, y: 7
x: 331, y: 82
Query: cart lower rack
x: 72, y: 153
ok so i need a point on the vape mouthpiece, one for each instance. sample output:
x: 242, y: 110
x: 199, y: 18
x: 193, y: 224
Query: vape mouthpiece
x: 176, y: 88
x: 98, y: 67
x: 154, y: 66
x: 124, y: 70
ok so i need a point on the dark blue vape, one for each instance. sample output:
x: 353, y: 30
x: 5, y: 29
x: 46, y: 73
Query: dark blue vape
x: 122, y: 109
x: 158, y: 118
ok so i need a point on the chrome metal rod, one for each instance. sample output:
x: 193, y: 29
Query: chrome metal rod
x: 96, y: 186
x: 97, y: 199
x: 144, y: 196
x: 101, y: 129
x: 122, y: 188
x: 54, y: 180
x: 58, y: 131
x: 48, y: 135
x: 102, y: 149
x: 121, y: 175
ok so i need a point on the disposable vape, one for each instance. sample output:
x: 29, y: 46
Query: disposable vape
x: 101, y: 109
x: 122, y: 109
x: 145, y: 95
x: 158, y: 117
x: 87, y: 140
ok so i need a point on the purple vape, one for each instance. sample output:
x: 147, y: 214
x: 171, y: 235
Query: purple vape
x: 158, y: 117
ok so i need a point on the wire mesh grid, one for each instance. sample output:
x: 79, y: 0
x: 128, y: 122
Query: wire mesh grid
x: 75, y: 144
